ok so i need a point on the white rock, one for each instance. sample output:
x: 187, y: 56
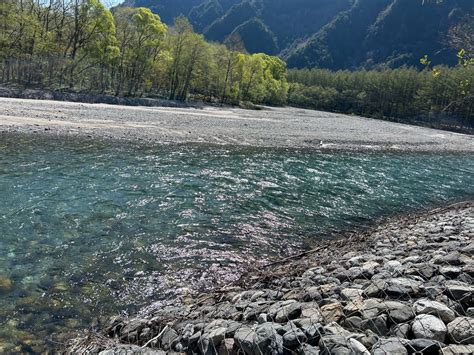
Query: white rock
x: 426, y: 326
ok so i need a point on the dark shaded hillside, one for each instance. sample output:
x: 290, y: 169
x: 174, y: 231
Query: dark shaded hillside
x: 390, y: 32
x: 338, y: 44
x: 257, y: 37
x: 335, y: 34
x: 286, y: 21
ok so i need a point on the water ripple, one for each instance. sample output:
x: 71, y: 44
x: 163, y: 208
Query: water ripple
x: 90, y: 228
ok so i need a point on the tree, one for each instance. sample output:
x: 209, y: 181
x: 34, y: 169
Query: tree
x: 461, y: 38
x: 91, y: 35
x: 140, y: 35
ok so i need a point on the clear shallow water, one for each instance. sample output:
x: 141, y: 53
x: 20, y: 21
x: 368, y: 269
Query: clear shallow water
x: 92, y: 228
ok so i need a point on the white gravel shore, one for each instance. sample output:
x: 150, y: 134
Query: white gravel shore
x: 272, y: 127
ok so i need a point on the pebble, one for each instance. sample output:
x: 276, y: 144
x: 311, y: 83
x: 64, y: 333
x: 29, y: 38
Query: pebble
x: 5, y: 284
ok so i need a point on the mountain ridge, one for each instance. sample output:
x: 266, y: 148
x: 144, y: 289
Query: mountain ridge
x: 333, y: 34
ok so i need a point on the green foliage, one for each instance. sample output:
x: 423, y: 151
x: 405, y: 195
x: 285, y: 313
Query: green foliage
x: 81, y: 45
x: 406, y: 94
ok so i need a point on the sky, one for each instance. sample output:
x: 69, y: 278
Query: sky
x: 110, y: 3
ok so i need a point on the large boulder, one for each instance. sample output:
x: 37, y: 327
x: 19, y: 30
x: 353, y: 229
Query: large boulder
x: 426, y: 326
x: 426, y: 306
x: 293, y: 338
x: 284, y: 311
x: 246, y: 340
x: 460, y: 291
x: 357, y: 347
x: 461, y: 330
x: 263, y: 340
x: 332, y: 312
x: 212, y: 340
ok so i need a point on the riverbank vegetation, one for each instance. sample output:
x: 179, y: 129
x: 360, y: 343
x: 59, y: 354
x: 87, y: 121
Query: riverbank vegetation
x: 440, y: 96
x: 83, y: 46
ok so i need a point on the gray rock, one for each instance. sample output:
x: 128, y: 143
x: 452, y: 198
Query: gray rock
x: 332, y: 312
x: 398, y: 312
x: 393, y: 266
x: 212, y: 340
x: 268, y: 340
x: 312, y: 312
x: 227, y: 347
x: 353, y: 323
x: 311, y: 328
x: 357, y: 347
x: 334, y: 345
x: 312, y: 294
x: 254, y: 309
x: 425, y: 271
x: 426, y: 326
x: 377, y: 324
x: 469, y: 269
x: 350, y: 294
x: 450, y: 272
x: 262, y: 318
x: 132, y: 329
x: 458, y: 350
x: 371, y: 308
x: 168, y: 338
x: 376, y: 288
x: 460, y: 291
x: 426, y: 306
x: 335, y: 329
x: 308, y: 350
x: 246, y: 339
x: 453, y: 258
x: 403, y: 288
x: 461, y: 330
x: 193, y: 340
x: 424, y: 346
x: 264, y: 340
x: 369, y: 339
x: 392, y: 346
x: 288, y: 312
x: 400, y: 330
x: 294, y: 338
x: 400, y: 287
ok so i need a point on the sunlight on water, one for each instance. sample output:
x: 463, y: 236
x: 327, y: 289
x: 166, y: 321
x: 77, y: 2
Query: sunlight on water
x: 90, y: 228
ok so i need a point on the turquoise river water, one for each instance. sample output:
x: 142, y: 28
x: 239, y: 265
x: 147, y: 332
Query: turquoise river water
x: 89, y: 229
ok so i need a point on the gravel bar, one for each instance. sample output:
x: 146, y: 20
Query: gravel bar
x: 270, y: 127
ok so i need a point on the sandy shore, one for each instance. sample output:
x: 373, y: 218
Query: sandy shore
x: 272, y: 127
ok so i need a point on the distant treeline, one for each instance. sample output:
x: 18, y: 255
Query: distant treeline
x: 442, y: 96
x: 81, y: 45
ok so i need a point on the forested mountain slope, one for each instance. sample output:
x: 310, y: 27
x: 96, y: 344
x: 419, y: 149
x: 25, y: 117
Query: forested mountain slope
x: 390, y: 32
x: 335, y: 34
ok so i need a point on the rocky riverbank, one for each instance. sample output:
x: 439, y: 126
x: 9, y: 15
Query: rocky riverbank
x: 273, y: 127
x: 403, y: 287
x: 38, y: 94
